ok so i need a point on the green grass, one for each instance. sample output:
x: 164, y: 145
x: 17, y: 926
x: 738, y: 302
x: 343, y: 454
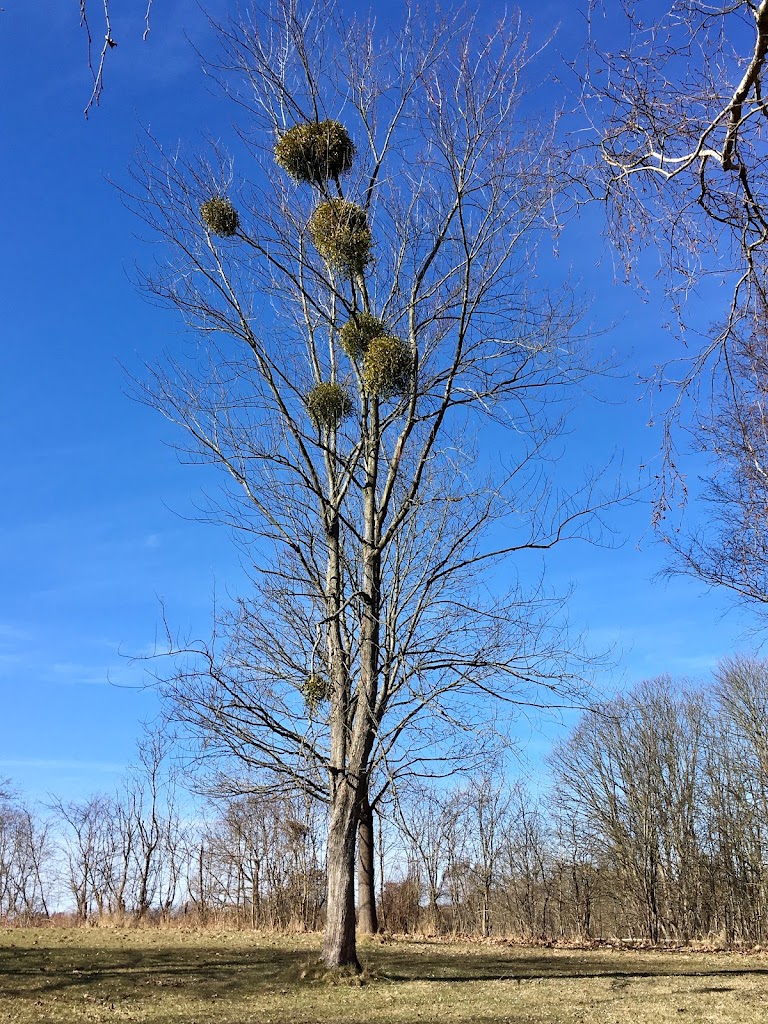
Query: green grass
x: 187, y: 977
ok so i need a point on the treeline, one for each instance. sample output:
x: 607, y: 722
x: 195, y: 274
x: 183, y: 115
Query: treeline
x: 655, y: 828
x: 665, y: 793
x: 149, y: 853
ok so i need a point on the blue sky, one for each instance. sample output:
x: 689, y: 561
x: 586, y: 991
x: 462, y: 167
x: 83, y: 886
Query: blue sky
x: 97, y: 522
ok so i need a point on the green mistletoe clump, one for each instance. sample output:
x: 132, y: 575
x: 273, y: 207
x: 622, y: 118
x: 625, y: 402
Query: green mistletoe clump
x: 328, y: 404
x: 358, y: 333
x: 315, y: 152
x: 388, y: 367
x: 340, y: 233
x: 220, y: 217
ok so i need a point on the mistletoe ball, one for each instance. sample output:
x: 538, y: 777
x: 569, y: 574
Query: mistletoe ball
x: 327, y: 404
x: 220, y: 217
x: 340, y: 233
x: 315, y: 152
x: 358, y: 333
x: 388, y: 367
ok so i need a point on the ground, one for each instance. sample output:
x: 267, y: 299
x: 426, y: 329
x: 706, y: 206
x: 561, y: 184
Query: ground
x: 188, y: 977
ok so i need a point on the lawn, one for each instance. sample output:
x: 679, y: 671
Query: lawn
x: 188, y: 977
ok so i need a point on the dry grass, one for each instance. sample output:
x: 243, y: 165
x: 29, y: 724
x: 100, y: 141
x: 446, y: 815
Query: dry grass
x: 192, y: 977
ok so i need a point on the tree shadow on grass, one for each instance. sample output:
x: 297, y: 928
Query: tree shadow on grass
x: 203, y: 971
x: 398, y: 964
x: 36, y: 971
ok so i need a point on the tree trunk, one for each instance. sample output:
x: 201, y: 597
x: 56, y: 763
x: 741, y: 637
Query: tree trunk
x: 367, y: 920
x: 485, y: 924
x: 353, y: 724
x: 365, y: 724
x: 339, y: 946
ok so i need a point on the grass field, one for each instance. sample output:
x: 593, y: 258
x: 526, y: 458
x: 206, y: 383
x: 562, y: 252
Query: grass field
x: 178, y: 977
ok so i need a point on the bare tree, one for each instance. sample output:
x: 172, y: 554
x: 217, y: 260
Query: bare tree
x: 678, y: 112
x: 261, y: 861
x: 486, y: 808
x: 525, y: 862
x: 576, y: 870
x: 728, y: 548
x: 124, y: 822
x: 358, y: 328
x: 431, y: 824
x: 90, y: 844
x: 25, y: 854
x: 740, y: 797
x: 154, y: 823
x: 367, y: 917
x: 681, y: 140
x: 631, y: 775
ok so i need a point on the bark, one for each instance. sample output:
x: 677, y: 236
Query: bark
x: 367, y: 919
x: 339, y: 945
x: 350, y: 760
x: 339, y: 948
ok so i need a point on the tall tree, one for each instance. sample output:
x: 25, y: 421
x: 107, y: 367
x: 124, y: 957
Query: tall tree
x: 371, y: 334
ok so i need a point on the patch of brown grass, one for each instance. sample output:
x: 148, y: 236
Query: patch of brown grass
x: 198, y: 977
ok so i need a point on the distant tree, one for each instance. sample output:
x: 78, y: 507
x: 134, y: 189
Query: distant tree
x: 430, y: 823
x: 25, y: 858
x: 365, y: 308
x: 525, y: 862
x: 486, y: 803
x: 630, y: 776
x: 90, y: 844
x: 262, y: 860
x: 154, y: 818
x: 737, y: 778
